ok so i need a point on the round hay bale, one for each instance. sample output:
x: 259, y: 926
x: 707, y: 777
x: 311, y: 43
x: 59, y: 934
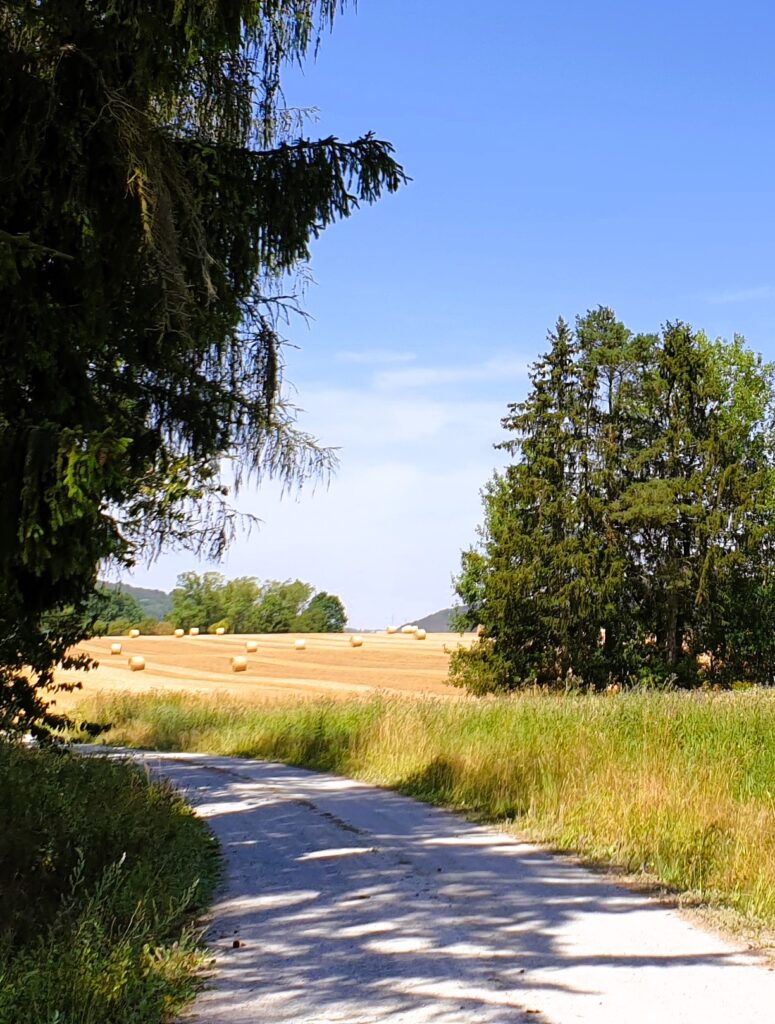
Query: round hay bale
x: 115, y: 648
x: 356, y: 640
x: 239, y: 663
x: 194, y: 631
x: 251, y: 646
x: 136, y: 663
x: 391, y: 630
x: 420, y: 634
x: 408, y: 629
x: 134, y: 633
x: 180, y: 632
x: 299, y: 644
x: 220, y: 631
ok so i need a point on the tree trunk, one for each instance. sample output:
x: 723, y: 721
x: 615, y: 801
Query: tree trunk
x: 673, y: 637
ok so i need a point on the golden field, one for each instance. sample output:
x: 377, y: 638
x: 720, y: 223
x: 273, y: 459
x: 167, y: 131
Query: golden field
x: 328, y: 667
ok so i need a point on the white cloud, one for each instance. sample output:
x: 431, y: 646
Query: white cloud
x: 374, y: 357
x: 431, y: 376
x: 364, y: 420
x: 386, y: 534
x: 386, y: 537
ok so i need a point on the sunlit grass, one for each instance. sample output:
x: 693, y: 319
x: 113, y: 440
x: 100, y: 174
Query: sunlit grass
x: 680, y: 786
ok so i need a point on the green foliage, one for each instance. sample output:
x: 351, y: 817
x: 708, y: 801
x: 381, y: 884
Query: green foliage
x: 108, y: 604
x: 101, y: 874
x: 630, y: 539
x: 244, y: 605
x: 280, y: 605
x: 460, y: 617
x: 197, y: 600
x: 239, y: 600
x: 143, y: 290
x: 324, y: 613
x: 155, y: 604
x: 118, y: 627
x: 480, y: 669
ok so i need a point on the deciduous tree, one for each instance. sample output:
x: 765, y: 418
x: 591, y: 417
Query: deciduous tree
x: 324, y: 613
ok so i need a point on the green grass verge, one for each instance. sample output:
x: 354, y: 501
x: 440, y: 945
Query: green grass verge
x: 680, y: 786
x: 101, y: 874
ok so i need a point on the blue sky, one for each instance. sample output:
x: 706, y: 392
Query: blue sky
x: 563, y: 155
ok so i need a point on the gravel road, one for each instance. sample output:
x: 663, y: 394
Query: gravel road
x: 346, y: 904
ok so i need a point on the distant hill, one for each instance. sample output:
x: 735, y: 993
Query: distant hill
x: 438, y: 622
x: 156, y: 604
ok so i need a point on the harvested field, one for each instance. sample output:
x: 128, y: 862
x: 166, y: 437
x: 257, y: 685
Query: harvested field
x: 329, y: 665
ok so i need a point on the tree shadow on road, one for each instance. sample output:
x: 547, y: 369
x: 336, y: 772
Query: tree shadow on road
x: 342, y: 902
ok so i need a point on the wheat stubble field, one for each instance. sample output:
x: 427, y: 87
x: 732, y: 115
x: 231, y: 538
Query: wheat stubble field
x: 328, y: 667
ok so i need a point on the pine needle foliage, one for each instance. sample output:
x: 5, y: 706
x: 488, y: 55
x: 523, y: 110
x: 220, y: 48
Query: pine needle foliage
x: 155, y: 197
x: 631, y: 539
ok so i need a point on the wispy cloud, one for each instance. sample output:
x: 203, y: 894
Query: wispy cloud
x: 375, y: 357
x: 363, y: 421
x: 431, y: 376
x: 764, y: 291
x: 387, y: 531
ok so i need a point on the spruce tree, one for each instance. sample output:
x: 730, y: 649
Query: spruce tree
x: 631, y: 540
x: 156, y: 199
x: 528, y: 586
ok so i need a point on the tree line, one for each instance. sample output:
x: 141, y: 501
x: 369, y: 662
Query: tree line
x: 209, y: 601
x: 630, y: 539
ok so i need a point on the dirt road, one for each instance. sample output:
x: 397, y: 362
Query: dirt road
x: 345, y: 904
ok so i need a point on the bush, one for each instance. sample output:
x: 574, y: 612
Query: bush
x: 480, y: 669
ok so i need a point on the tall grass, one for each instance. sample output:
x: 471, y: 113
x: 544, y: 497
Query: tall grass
x: 681, y: 786
x: 101, y: 872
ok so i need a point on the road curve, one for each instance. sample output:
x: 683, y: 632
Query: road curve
x: 347, y: 904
